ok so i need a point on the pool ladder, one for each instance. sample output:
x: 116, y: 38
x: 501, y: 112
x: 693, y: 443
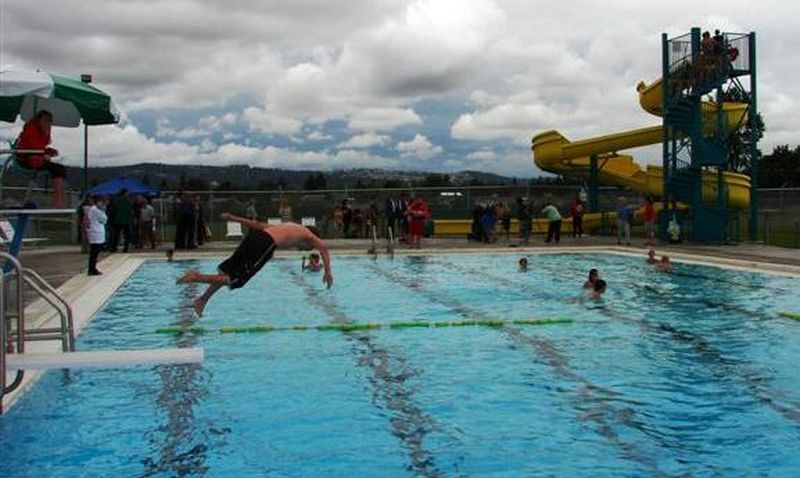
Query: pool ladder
x: 373, y: 247
x: 13, y: 334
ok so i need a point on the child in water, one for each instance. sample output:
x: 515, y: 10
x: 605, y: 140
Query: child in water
x: 598, y: 290
x: 664, y: 265
x: 314, y: 264
x: 523, y: 264
x: 651, y: 257
x: 170, y: 255
x: 594, y: 276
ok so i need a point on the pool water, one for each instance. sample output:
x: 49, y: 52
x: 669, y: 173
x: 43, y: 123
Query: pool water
x: 682, y: 374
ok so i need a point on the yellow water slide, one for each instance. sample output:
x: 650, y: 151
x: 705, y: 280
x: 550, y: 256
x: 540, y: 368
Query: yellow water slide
x: 554, y: 153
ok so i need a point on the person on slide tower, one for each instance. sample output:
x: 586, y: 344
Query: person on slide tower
x: 255, y: 250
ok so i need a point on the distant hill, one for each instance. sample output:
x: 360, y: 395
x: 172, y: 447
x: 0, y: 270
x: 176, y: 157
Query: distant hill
x: 242, y: 177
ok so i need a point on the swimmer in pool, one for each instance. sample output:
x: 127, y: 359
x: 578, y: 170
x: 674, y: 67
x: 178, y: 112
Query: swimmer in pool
x: 255, y: 250
x: 594, y: 276
x: 651, y: 257
x: 598, y: 289
x: 664, y: 265
x: 523, y: 264
x: 313, y: 264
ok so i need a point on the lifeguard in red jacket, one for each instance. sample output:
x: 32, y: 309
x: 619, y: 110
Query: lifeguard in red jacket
x: 35, y: 135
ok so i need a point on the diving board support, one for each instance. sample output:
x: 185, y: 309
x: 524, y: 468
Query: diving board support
x: 104, y: 358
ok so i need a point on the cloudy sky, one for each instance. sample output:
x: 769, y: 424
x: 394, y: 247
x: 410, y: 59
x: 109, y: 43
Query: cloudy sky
x: 440, y: 85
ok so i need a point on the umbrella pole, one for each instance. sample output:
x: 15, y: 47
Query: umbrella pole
x: 85, y: 158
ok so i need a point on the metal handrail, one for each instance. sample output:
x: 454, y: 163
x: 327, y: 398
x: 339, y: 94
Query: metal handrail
x: 55, y: 299
x: 390, y: 240
x: 17, y: 266
x: 65, y: 333
x: 4, y: 326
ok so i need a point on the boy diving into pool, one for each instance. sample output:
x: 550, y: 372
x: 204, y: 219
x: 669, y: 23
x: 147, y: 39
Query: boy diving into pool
x: 255, y: 250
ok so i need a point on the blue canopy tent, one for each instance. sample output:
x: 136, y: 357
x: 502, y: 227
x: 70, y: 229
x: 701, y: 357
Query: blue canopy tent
x: 134, y: 187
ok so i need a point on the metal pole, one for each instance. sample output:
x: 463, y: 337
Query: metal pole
x: 594, y: 187
x: 86, y: 78
x: 752, y: 116
x: 85, y: 158
x: 2, y: 342
x: 666, y: 171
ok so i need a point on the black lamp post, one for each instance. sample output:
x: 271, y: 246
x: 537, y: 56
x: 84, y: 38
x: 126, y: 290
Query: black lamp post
x: 86, y: 78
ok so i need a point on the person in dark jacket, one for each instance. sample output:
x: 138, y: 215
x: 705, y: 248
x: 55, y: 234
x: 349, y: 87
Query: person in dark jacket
x: 121, y: 220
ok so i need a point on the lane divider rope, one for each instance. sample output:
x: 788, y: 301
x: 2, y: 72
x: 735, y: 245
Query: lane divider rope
x: 174, y: 330
x: 790, y: 315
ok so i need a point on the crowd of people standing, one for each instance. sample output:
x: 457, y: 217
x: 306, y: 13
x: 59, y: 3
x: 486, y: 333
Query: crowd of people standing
x: 106, y: 222
x: 190, y: 226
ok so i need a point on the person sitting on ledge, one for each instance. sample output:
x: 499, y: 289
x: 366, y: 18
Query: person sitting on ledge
x: 35, y: 135
x: 255, y: 250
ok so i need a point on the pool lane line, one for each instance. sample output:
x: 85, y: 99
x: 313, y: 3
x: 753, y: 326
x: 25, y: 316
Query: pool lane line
x: 347, y: 327
x: 751, y: 381
x: 409, y: 423
x: 589, y: 392
x: 178, y: 446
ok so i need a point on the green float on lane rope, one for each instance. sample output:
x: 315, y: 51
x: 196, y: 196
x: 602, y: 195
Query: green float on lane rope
x: 790, y: 315
x: 348, y: 327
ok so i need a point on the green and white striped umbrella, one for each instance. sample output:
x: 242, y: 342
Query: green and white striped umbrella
x: 24, y: 93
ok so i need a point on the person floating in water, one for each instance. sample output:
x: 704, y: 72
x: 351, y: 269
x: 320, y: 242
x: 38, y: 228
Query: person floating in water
x: 523, y: 264
x: 314, y: 264
x: 255, y: 250
x: 594, y: 276
x: 598, y: 289
x: 664, y: 265
x: 651, y: 257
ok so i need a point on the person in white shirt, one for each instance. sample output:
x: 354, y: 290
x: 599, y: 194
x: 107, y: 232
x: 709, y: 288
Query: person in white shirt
x: 147, y: 219
x: 97, y: 232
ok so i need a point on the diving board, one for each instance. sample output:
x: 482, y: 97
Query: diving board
x: 104, y: 358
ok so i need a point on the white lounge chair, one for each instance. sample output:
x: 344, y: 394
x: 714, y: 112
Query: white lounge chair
x: 309, y: 221
x: 7, y: 235
x: 234, y: 230
x: 274, y: 221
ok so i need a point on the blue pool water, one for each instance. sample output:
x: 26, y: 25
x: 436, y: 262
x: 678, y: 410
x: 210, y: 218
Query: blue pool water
x: 683, y: 374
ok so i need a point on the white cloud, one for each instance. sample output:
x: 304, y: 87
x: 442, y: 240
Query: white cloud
x: 376, y: 66
x: 418, y: 147
x: 263, y: 121
x: 319, y: 136
x: 382, y: 119
x: 366, y: 140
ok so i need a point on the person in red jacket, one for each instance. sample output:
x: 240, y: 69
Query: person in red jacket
x: 36, y: 135
x: 650, y: 217
x: 417, y: 213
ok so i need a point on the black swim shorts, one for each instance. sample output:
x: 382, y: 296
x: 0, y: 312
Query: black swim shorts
x: 255, y: 250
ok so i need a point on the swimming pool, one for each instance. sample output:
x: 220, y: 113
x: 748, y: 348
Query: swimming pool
x: 687, y: 373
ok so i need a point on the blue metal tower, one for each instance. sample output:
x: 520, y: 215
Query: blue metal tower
x: 705, y: 102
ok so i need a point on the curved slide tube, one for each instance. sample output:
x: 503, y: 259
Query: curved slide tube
x: 554, y: 153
